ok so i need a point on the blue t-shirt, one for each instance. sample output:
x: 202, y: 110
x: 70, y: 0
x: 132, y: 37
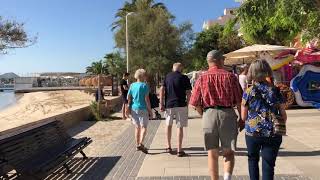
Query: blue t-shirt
x: 138, y: 92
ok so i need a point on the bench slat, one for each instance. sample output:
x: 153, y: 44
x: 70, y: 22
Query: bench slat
x: 41, y: 149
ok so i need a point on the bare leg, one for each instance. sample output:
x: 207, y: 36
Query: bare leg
x: 124, y: 117
x: 228, y: 157
x: 180, y: 138
x: 169, y: 134
x: 137, y: 135
x: 143, y: 134
x: 213, y: 156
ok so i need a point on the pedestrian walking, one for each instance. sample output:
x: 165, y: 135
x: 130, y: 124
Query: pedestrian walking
x: 214, y: 96
x: 194, y: 78
x: 174, y: 97
x: 99, y: 95
x: 243, y: 77
x: 139, y: 108
x: 262, y: 107
x: 124, y: 93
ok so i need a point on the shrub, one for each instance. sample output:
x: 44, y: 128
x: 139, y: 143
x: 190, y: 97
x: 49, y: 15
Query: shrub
x: 95, y: 111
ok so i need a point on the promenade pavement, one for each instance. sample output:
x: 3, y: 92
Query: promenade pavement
x: 299, y: 158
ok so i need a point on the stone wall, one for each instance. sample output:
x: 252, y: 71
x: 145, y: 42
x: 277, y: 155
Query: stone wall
x: 69, y: 119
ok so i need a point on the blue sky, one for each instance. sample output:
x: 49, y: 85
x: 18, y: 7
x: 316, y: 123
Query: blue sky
x: 74, y: 33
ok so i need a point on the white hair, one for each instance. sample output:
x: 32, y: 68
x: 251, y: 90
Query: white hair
x: 177, y: 67
x: 140, y: 73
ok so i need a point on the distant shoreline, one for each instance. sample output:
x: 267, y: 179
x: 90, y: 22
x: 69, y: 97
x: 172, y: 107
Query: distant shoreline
x: 16, y: 98
x: 32, y: 107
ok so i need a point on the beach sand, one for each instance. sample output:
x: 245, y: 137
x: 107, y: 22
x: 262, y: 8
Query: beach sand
x: 35, y: 106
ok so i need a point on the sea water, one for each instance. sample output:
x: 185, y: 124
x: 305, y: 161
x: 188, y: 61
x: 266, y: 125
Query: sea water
x: 7, y: 98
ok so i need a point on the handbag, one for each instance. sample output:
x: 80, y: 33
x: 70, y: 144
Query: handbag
x: 279, y: 125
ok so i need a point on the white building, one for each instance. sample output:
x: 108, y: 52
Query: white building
x: 229, y: 14
x: 24, y: 82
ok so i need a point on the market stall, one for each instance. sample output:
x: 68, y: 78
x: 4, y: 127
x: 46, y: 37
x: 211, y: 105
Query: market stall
x: 295, y: 71
x: 306, y: 84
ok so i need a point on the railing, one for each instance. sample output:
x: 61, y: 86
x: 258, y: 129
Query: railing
x: 6, y: 86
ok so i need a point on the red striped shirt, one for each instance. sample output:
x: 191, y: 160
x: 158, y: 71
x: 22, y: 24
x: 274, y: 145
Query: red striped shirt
x: 216, y: 87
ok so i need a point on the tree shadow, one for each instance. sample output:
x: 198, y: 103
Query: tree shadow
x: 152, y: 154
x: 299, y: 153
x: 92, y: 168
x: 283, y: 153
x: 200, y: 151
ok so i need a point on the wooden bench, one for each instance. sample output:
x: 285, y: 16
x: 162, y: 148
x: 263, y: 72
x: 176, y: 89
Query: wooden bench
x: 3, y: 164
x: 37, y: 153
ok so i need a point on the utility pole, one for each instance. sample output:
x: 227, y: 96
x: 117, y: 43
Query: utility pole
x: 127, y: 40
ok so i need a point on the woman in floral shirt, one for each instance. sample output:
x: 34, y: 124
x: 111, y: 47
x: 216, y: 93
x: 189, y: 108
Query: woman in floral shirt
x: 261, y: 103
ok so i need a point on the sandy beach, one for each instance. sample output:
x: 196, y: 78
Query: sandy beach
x: 32, y: 107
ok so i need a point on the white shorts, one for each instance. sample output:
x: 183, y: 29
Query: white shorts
x: 178, y: 113
x: 140, y: 118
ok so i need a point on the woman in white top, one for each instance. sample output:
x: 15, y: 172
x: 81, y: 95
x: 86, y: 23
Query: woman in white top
x: 243, y: 77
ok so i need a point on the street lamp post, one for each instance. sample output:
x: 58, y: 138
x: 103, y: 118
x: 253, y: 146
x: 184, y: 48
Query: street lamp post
x: 127, y: 40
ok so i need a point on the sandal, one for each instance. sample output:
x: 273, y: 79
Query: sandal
x: 181, y: 154
x: 142, y: 149
x: 169, y: 150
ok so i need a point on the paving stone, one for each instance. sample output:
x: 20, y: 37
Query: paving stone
x: 119, y: 160
x: 282, y: 177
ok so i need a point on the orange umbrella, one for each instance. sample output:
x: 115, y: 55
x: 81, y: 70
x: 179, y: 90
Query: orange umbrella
x: 88, y: 82
x: 106, y: 80
x: 95, y: 80
x: 82, y: 82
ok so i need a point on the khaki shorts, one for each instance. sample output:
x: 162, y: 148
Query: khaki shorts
x: 178, y: 113
x: 220, y: 125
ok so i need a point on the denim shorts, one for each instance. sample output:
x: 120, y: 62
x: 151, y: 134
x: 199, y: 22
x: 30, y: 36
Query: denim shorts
x: 140, y: 118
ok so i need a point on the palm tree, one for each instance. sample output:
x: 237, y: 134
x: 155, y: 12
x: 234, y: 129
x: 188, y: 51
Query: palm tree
x: 116, y: 63
x: 318, y: 3
x: 97, y: 68
x: 132, y: 7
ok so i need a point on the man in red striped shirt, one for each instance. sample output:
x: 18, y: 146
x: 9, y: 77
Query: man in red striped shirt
x: 214, y: 96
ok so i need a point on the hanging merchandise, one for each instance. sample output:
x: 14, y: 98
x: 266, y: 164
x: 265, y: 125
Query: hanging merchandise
x: 306, y: 86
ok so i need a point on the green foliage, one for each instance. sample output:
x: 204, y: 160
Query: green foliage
x: 314, y: 24
x: 154, y: 41
x: 13, y: 35
x: 131, y: 6
x: 223, y: 38
x: 187, y: 37
x: 278, y: 21
x: 97, y: 68
x: 95, y: 111
x: 116, y: 63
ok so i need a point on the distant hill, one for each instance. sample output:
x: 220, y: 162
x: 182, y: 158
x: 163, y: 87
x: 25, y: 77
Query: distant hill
x: 10, y: 75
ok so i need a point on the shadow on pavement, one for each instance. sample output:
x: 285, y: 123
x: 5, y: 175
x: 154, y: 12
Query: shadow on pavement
x: 282, y: 153
x: 200, y: 151
x: 92, y: 168
x: 299, y: 153
x: 82, y: 126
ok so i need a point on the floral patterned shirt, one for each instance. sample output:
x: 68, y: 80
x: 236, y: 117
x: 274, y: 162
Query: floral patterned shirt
x: 262, y: 100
